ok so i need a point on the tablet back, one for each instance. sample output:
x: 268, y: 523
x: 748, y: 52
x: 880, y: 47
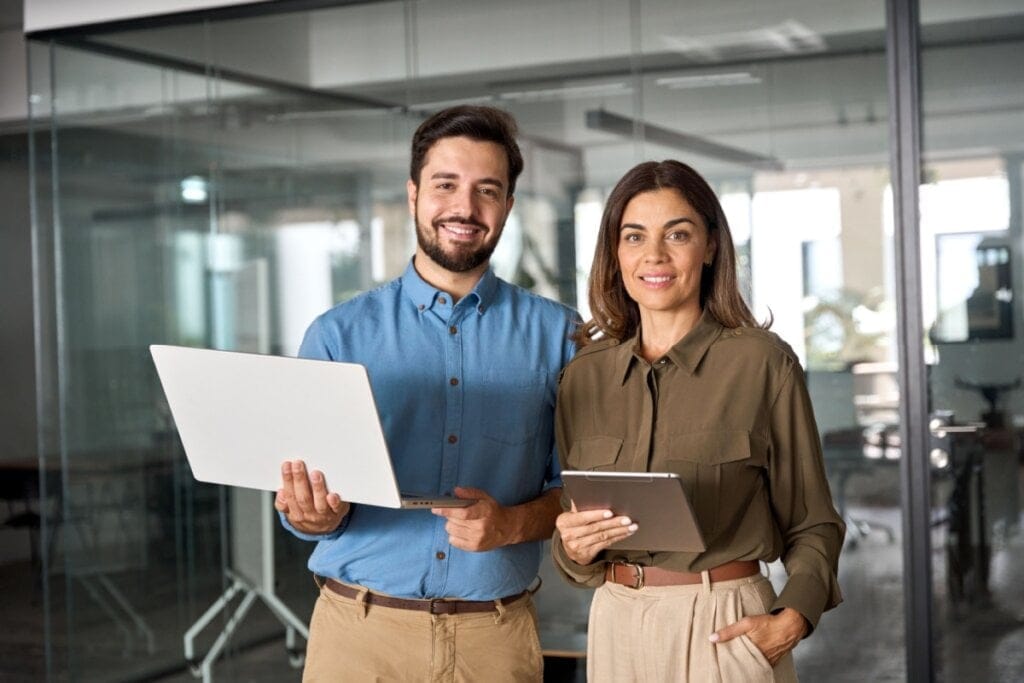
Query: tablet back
x: 655, y: 501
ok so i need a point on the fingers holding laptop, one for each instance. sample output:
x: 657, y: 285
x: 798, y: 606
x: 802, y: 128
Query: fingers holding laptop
x: 484, y: 525
x: 304, y: 499
x: 585, y: 534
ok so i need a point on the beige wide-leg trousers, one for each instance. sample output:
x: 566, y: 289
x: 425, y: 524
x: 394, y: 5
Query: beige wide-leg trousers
x: 660, y: 633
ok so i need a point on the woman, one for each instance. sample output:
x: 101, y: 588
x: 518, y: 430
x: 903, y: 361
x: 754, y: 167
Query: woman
x: 682, y: 379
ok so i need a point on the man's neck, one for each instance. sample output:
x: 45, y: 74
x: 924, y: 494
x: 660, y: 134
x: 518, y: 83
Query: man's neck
x: 456, y: 285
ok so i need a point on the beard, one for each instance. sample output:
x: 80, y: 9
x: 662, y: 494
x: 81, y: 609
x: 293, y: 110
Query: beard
x: 459, y: 259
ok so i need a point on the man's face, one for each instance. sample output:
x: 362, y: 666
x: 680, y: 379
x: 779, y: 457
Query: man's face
x: 461, y: 203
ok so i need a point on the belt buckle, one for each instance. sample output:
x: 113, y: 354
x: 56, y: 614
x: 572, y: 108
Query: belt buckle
x: 438, y: 606
x: 638, y: 575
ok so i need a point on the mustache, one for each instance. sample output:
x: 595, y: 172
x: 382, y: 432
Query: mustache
x: 436, y: 223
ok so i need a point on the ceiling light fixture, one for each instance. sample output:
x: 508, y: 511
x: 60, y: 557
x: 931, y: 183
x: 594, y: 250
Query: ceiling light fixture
x: 569, y: 92
x: 708, y: 80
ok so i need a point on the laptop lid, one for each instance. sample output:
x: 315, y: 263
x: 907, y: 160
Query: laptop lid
x: 240, y: 415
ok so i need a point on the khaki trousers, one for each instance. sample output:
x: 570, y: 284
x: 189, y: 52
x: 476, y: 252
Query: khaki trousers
x: 661, y: 634
x: 352, y: 641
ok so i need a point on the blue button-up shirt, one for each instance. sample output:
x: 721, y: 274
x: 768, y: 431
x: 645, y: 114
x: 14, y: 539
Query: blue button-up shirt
x: 466, y: 395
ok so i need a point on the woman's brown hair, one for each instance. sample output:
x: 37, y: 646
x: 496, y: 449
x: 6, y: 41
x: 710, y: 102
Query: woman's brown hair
x: 616, y: 315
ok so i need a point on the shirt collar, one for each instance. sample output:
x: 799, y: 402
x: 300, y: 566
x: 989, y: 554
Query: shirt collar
x: 423, y: 294
x: 686, y: 354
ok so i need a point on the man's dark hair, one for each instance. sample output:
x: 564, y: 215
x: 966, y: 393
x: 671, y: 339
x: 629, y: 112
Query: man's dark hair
x: 484, y: 124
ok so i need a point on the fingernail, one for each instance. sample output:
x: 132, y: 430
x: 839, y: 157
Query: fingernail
x: 316, y: 476
x: 632, y: 528
x: 713, y: 637
x: 625, y: 521
x: 608, y: 514
x: 286, y: 467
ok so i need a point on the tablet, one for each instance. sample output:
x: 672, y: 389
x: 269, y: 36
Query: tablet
x: 655, y: 501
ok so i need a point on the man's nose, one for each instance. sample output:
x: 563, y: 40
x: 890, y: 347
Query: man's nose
x: 462, y: 203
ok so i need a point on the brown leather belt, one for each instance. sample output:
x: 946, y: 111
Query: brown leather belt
x: 439, y: 606
x: 638, y: 576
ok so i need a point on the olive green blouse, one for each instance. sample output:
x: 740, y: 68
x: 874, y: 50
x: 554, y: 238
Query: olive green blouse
x: 728, y: 411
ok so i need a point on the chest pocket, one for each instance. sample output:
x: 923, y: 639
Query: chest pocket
x: 513, y: 404
x: 721, y: 470
x: 595, y: 453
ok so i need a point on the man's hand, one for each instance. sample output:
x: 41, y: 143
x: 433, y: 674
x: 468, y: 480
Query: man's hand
x: 481, y: 526
x: 773, y: 634
x: 585, y: 534
x: 305, y: 502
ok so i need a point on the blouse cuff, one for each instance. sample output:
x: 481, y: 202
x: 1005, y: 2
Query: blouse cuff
x: 591, y: 575
x: 806, y: 595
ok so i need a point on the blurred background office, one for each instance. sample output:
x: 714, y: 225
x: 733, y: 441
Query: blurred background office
x: 216, y: 173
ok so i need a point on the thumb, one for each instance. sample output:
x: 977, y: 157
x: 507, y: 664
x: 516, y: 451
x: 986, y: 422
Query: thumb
x: 731, y: 631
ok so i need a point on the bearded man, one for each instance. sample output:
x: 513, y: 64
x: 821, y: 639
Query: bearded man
x: 464, y: 369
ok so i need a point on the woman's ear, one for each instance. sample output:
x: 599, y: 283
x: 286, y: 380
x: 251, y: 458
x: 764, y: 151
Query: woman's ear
x: 709, y: 252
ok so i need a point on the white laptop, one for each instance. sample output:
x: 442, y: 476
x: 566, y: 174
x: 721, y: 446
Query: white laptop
x: 240, y: 415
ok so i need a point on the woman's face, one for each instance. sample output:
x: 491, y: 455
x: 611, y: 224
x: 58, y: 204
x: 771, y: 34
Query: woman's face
x: 663, y: 245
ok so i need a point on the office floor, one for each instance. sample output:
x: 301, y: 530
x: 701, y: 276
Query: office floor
x: 859, y: 641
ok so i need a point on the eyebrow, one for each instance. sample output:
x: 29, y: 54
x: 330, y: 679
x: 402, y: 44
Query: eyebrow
x: 442, y: 175
x: 670, y: 224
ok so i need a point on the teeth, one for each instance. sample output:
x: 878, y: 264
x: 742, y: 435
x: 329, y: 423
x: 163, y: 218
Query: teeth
x: 460, y: 230
x: 656, y: 279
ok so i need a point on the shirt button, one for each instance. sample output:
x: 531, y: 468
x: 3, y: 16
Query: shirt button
x: 441, y: 300
x: 421, y: 307
x: 454, y: 381
x: 479, y: 309
x: 453, y: 329
x: 661, y: 362
x: 440, y: 555
x: 452, y: 438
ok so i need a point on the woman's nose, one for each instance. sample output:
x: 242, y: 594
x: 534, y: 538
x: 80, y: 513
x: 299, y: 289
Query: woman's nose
x: 654, y: 251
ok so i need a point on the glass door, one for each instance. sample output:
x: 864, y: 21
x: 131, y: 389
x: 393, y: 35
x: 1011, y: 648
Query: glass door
x: 972, y: 240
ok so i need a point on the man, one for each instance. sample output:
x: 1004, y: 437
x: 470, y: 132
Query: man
x: 464, y: 370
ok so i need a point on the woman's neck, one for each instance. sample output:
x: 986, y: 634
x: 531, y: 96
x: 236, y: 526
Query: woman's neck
x: 661, y: 330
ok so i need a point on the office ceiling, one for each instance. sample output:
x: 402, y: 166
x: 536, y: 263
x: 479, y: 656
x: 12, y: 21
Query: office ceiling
x: 800, y: 83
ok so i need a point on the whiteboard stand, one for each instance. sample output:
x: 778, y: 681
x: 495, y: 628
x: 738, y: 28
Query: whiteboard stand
x: 252, y: 577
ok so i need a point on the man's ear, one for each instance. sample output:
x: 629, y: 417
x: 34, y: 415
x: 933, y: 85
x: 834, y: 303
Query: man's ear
x: 508, y: 204
x: 411, y: 190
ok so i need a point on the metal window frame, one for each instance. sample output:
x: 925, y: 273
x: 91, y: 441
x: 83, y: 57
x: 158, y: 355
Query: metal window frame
x: 903, y: 52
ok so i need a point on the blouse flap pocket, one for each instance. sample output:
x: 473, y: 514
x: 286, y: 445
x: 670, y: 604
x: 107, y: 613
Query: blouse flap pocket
x: 594, y: 452
x: 719, y: 447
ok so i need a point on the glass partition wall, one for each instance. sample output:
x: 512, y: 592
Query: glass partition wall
x: 219, y: 183
x: 973, y: 289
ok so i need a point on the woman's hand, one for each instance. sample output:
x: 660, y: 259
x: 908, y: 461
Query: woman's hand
x: 773, y: 634
x: 585, y: 534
